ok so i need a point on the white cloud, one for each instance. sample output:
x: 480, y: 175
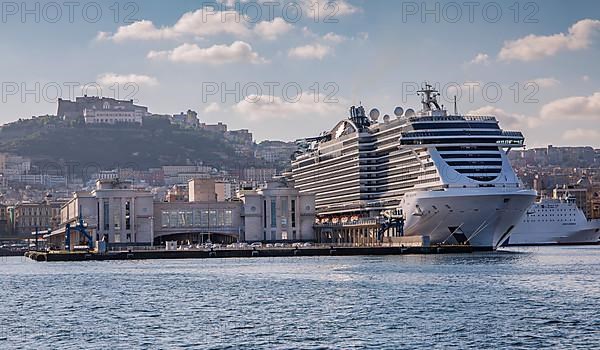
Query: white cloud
x: 343, y: 8
x: 546, y: 82
x: 239, y: 51
x: 213, y: 107
x: 308, y: 33
x: 264, y: 107
x: 273, y: 29
x: 109, y: 79
x: 334, y: 38
x: 307, y: 52
x: 481, y: 58
x: 585, y: 78
x: 507, y: 120
x: 204, y: 23
x: 573, y: 108
x: 582, y: 136
x: 328, y: 9
x: 534, y: 47
x: 363, y: 36
x: 200, y: 23
x: 141, y: 30
x: 196, y: 23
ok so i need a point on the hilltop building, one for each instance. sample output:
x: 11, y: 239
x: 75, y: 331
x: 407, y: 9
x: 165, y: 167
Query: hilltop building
x: 219, y: 127
x: 11, y: 164
x: 275, y: 151
x: 188, y: 120
x: 94, y: 109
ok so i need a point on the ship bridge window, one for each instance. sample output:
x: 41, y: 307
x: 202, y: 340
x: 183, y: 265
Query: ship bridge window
x: 468, y: 148
x: 465, y: 125
x: 479, y: 171
x: 471, y: 155
x: 470, y: 163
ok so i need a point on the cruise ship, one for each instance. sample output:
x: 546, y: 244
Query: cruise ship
x: 449, y: 174
x: 555, y: 221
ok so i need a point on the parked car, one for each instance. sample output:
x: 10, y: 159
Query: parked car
x: 307, y: 244
x: 256, y: 245
x: 279, y: 245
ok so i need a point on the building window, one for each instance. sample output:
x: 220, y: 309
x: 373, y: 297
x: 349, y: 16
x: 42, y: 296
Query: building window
x: 294, y: 215
x: 204, y: 218
x: 197, y: 217
x: 117, y: 220
x: 165, y: 218
x: 273, y: 213
x: 265, y: 214
x: 106, y: 215
x: 128, y: 215
x: 284, y: 211
x: 212, y: 217
x: 228, y: 220
x: 221, y: 218
x: 173, y: 220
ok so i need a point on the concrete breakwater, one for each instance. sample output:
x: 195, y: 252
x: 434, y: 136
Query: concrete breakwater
x: 243, y: 253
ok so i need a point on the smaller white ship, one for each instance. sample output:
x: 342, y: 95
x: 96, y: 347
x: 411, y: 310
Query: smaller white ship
x: 555, y: 221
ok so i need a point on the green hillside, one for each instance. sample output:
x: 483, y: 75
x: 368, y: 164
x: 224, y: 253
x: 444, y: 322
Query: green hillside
x: 155, y: 143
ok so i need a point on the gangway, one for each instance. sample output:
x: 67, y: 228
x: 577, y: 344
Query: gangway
x: 79, y: 227
x: 394, y: 219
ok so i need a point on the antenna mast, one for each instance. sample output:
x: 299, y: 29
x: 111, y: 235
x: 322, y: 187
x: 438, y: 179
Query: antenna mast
x: 455, y: 109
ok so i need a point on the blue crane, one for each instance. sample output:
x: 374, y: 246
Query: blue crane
x: 79, y: 228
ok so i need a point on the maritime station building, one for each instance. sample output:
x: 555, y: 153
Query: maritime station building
x: 122, y: 215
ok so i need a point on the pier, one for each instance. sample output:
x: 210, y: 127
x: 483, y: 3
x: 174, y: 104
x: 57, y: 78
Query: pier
x: 245, y: 253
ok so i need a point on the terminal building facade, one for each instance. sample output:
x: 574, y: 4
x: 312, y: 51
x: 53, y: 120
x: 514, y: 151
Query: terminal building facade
x: 114, y: 211
x: 122, y: 215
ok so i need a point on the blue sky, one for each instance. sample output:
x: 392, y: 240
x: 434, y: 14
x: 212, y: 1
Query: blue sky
x: 372, y: 52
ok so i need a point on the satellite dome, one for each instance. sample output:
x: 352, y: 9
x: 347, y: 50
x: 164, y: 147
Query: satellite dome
x: 386, y: 118
x: 374, y: 114
x: 398, y: 111
x: 410, y: 113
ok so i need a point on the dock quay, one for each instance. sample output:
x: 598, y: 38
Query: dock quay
x: 244, y: 253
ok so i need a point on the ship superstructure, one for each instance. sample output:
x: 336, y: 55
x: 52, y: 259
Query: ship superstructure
x: 449, y: 174
x: 555, y: 221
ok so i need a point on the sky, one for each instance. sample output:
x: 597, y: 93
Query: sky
x: 291, y: 69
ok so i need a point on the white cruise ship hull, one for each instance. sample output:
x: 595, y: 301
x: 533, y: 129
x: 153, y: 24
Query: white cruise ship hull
x: 561, y: 234
x: 480, y: 217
